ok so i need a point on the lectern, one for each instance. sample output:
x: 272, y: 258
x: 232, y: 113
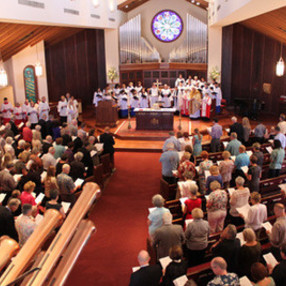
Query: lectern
x: 106, y: 114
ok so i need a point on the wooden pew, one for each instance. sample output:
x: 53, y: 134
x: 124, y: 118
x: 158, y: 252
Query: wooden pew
x: 105, y: 161
x: 65, y: 234
x: 8, y: 248
x: 167, y: 191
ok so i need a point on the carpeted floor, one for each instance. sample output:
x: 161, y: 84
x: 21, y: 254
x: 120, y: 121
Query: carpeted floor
x: 121, y: 220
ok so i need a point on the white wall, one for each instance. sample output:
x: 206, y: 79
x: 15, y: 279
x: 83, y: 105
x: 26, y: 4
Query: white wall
x: 151, y: 8
x: 17, y: 64
x: 53, y: 13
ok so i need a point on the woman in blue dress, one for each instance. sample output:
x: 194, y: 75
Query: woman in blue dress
x: 197, y: 143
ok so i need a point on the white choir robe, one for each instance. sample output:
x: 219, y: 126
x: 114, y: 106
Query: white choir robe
x: 62, y: 108
x: 44, y: 110
x: 154, y: 96
x: 135, y: 103
x: 189, y: 82
x: 97, y: 97
x: 166, y: 97
x: 206, y: 106
x: 218, y: 96
x: 117, y: 91
x: 195, y: 82
x: 179, y: 80
x: 33, y: 115
x: 144, y: 100
x: 18, y: 113
x: 6, y: 110
x: 71, y: 112
x: 25, y: 109
x: 179, y: 99
x: 123, y: 102
x: 138, y: 89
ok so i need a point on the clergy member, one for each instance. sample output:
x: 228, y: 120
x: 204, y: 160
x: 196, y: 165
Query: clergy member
x: 139, y: 87
x: 166, y: 96
x: 189, y: 81
x: 6, y: 111
x: 154, y: 94
x: 33, y: 115
x: 179, y: 80
x: 123, y: 104
x: 179, y: 98
x: 218, y: 92
x: 206, y: 106
x: 97, y: 97
x: 62, y: 109
x: 18, y: 114
x: 25, y: 109
x: 195, y: 104
x: 44, y: 109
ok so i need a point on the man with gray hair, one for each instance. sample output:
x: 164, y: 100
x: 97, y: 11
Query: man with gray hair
x: 170, y: 161
x: 167, y: 236
x: 236, y: 128
x: 174, y: 140
x: 228, y: 247
x: 65, y: 182
x: 234, y: 144
x: 49, y: 159
x: 219, y: 268
x: 147, y: 274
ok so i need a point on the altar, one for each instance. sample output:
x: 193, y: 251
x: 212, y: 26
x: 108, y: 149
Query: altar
x: 154, y: 119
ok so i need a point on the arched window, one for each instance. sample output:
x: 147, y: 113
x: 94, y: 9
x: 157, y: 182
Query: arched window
x: 31, y: 83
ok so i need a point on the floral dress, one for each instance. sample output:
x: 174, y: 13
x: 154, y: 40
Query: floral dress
x: 205, y: 165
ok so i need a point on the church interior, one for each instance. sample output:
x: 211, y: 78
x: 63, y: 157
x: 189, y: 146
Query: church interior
x: 142, y: 142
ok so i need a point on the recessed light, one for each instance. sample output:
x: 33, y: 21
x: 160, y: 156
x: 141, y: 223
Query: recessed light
x: 126, y: 6
x: 193, y: 1
x: 198, y: 3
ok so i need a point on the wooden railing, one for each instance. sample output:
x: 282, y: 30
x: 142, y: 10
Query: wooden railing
x: 8, y: 248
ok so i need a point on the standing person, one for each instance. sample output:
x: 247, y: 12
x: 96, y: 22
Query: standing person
x: 147, y: 274
x: 179, y: 80
x: 279, y: 271
x: 259, y: 133
x: 76, y: 106
x: 197, y: 143
x: 233, y: 145
x: 237, y: 128
x: 276, y: 159
x: 33, y: 115
x: 254, y: 174
x: 258, y: 154
x: 282, y: 123
x: 62, y: 109
x: 206, y: 106
x: 218, y: 97
x: 219, y: 268
x: 246, y: 130
x: 154, y: 94
x: 71, y: 112
x: 144, y: 100
x: 174, y: 140
x: 98, y: 96
x: 277, y: 235
x: 216, y: 133
x: 281, y: 137
x: 170, y: 161
x: 25, y: 109
x: 123, y: 105
x: 44, y: 109
x: 195, y: 104
x: 108, y: 142
x: 166, y: 96
x: 225, y: 168
x: 6, y: 111
x: 204, y: 166
x: 18, y: 114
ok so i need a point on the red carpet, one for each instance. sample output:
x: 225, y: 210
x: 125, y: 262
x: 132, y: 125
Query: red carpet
x: 120, y: 217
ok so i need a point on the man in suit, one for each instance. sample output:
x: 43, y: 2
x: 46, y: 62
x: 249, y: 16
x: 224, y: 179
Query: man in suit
x: 236, y: 128
x: 7, y: 222
x: 147, y: 274
x: 167, y: 236
x: 108, y: 142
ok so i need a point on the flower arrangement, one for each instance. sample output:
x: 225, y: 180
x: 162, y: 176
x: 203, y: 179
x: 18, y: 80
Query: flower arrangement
x: 112, y: 74
x: 214, y: 73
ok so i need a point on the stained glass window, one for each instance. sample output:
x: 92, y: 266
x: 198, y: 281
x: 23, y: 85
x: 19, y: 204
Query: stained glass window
x: 167, y: 26
x: 30, y: 80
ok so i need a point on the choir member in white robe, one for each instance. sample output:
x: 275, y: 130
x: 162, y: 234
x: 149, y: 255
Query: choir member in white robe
x: 123, y: 105
x: 218, y: 97
x: 98, y: 96
x: 179, y: 97
x: 180, y: 80
x: 189, y: 81
x: 130, y: 89
x: 6, y: 111
x: 154, y: 95
x: 76, y: 106
x: 135, y: 102
x: 166, y: 96
x: 62, y: 109
x: 206, y: 106
x: 144, y: 99
x: 18, y: 114
x: 139, y: 87
x: 44, y: 110
x: 71, y: 111
x: 196, y: 81
x: 25, y: 109
x: 117, y: 90
x: 33, y: 115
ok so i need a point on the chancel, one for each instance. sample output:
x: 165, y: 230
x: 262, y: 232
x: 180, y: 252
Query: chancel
x: 142, y: 142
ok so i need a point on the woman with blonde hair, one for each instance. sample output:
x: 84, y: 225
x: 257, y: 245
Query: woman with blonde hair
x: 6, y: 159
x: 204, y: 166
x: 249, y: 253
x: 246, y: 130
x: 226, y: 168
x: 214, y: 176
x: 50, y: 181
x: 216, y: 207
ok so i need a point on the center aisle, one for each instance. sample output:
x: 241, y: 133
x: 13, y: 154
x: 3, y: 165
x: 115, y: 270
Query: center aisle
x: 120, y: 217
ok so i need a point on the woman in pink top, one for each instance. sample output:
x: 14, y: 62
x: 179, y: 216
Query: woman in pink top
x: 27, y: 197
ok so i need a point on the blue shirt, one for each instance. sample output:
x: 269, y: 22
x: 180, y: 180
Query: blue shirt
x: 156, y: 219
x: 233, y: 147
x: 170, y: 161
x: 173, y: 140
x: 282, y: 138
x: 216, y: 131
x: 241, y: 160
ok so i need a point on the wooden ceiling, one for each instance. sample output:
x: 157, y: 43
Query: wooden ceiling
x: 129, y: 5
x: 15, y: 37
x: 272, y: 24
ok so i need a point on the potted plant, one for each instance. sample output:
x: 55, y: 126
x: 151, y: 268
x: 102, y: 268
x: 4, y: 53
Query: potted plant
x: 112, y: 74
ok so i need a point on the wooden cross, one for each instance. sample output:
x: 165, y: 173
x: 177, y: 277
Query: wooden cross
x: 158, y: 83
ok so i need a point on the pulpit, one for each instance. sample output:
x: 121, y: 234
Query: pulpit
x: 106, y: 114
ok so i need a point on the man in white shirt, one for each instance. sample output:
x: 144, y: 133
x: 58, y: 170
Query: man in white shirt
x: 44, y: 109
x: 6, y: 111
x: 282, y: 123
x: 257, y: 214
x: 62, y: 109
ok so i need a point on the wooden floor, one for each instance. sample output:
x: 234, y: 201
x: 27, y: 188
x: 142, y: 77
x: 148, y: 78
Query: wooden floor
x: 88, y: 117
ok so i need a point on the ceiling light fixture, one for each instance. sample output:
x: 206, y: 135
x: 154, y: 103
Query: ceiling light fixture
x: 38, y: 66
x: 95, y: 3
x: 280, y: 66
x: 3, y: 74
